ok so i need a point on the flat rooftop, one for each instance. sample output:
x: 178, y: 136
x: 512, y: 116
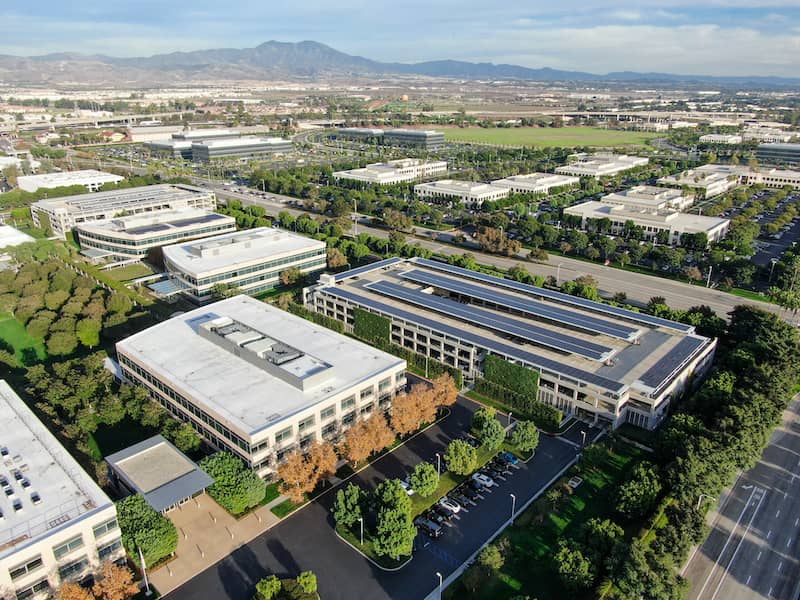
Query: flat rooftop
x: 202, y: 134
x: 538, y: 179
x: 687, y: 221
x: 239, y: 142
x: 122, y: 198
x: 611, y: 347
x: 12, y: 237
x: 67, y: 178
x: 227, y: 250
x: 52, y: 490
x: 160, y: 222
x: 452, y: 186
x: 239, y: 389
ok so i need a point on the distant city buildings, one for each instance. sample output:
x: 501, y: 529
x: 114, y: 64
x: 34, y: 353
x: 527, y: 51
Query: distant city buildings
x: 258, y: 381
x: 250, y: 261
x: 536, y: 183
x: 426, y: 139
x: 601, y: 164
x: 470, y: 193
x: 90, y: 179
x: 394, y: 171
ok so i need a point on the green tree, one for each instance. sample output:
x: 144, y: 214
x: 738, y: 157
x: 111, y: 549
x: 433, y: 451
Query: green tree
x: 492, y: 558
x: 185, y: 437
x: 235, y: 486
x: 424, y: 479
x: 638, y: 494
x: 460, y: 457
x: 268, y: 588
x: 62, y: 343
x: 394, y: 533
x: 347, y: 506
x: 574, y: 569
x: 308, y: 582
x: 487, y: 428
x: 145, y: 529
x: 525, y: 436
x: 88, y: 332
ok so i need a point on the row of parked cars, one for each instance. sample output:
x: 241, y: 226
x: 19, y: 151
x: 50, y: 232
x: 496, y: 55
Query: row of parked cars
x: 432, y: 522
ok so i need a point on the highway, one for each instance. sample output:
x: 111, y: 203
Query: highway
x: 753, y: 549
x: 639, y: 288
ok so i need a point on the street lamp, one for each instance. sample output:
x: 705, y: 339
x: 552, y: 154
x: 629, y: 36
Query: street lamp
x: 355, y: 218
x: 583, y: 439
x: 509, y: 417
x: 772, y: 268
x: 558, y: 274
x: 700, y: 500
x: 439, y: 575
x: 438, y: 464
x: 513, y: 506
x: 361, y: 520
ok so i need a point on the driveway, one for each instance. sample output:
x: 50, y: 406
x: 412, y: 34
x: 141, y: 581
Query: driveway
x: 306, y: 540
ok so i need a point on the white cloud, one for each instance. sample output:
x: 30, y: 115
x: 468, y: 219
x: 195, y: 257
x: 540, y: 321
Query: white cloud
x: 626, y: 15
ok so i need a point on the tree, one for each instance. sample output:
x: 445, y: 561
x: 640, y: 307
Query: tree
x: 145, y: 529
x: 395, y: 531
x: 73, y: 591
x: 638, y: 494
x: 268, y: 588
x: 487, y: 428
x: 357, y: 444
x: 574, y: 569
x: 405, y: 414
x: 492, y: 558
x: 62, y: 343
x: 290, y: 276
x: 301, y: 472
x: 525, y: 436
x: 347, y: 506
x: 424, y: 479
x: 185, y: 438
x: 115, y: 583
x: 336, y: 258
x: 88, y: 332
x: 235, y: 487
x: 444, y: 390
x: 308, y: 582
x: 460, y: 457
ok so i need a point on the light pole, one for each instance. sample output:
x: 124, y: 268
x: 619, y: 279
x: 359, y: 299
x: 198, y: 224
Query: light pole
x: 439, y: 575
x: 355, y: 218
x: 772, y: 268
x: 583, y: 439
x: 509, y: 417
x: 513, y: 506
x: 438, y: 464
x: 144, y: 573
x: 558, y: 274
x: 361, y: 521
x: 700, y: 500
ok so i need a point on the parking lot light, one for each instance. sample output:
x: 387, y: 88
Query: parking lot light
x: 513, y: 506
x: 361, y: 520
x: 439, y: 575
x: 438, y: 464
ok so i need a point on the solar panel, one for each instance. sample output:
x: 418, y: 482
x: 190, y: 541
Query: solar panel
x: 663, y: 371
x: 480, y: 341
x: 367, y: 268
x: 556, y: 296
x: 197, y: 220
x: 531, y: 307
x: 501, y: 323
x: 148, y: 229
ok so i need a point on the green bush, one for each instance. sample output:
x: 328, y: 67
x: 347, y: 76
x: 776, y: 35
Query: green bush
x: 145, y: 529
x: 544, y: 415
x: 301, y: 311
x: 371, y: 327
x: 236, y: 488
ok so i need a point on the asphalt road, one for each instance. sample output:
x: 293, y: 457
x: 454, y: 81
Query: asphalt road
x: 306, y: 540
x: 638, y: 287
x: 753, y: 550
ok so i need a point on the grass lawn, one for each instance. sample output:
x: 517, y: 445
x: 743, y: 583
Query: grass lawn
x: 530, y: 569
x: 132, y: 271
x: 367, y: 548
x: 547, y: 136
x: 284, y: 508
x: 13, y: 333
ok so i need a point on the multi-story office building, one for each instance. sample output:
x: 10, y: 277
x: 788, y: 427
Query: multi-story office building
x: 713, y: 180
x: 772, y: 178
x: 242, y: 147
x: 779, y: 154
x: 595, y: 361
x: 769, y: 135
x: 126, y: 238
x: 250, y: 261
x: 394, y: 171
x: 90, y: 179
x: 448, y: 191
x: 202, y: 135
x: 648, y: 198
x: 56, y: 524
x: 63, y: 214
x: 362, y: 134
x: 537, y: 183
x: 427, y: 139
x: 171, y: 148
x: 601, y: 164
x: 720, y: 138
x: 258, y: 381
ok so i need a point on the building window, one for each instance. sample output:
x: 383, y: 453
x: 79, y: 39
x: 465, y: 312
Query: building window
x: 104, y: 552
x: 366, y: 393
x: 284, y: 435
x: 305, y: 423
x: 348, y: 403
x: 104, y: 528
x: 24, y: 569
x: 349, y: 418
x: 31, y: 591
x: 327, y: 413
x: 67, y: 547
x: 366, y: 409
x: 74, y: 568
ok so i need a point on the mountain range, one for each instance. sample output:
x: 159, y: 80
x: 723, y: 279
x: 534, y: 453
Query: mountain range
x: 306, y: 60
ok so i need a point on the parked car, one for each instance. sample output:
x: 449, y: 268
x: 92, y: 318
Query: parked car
x: 483, y: 480
x: 473, y: 486
x: 434, y: 516
x: 407, y: 487
x: 462, y: 497
x: 509, y: 458
x: 450, y: 504
x: 443, y: 511
x: 428, y: 527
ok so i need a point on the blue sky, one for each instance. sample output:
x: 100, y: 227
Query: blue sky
x: 722, y: 37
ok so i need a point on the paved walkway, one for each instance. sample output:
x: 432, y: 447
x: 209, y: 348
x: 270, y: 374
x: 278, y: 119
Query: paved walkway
x: 207, y: 534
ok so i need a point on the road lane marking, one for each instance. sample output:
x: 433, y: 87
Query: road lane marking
x: 778, y: 514
x: 759, y: 555
x: 788, y: 542
x: 796, y: 521
x: 780, y: 564
x: 769, y: 533
x: 748, y: 580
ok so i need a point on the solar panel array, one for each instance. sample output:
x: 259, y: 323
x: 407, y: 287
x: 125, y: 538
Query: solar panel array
x: 496, y: 322
x: 555, y: 296
x: 662, y: 372
x: 531, y: 307
x: 479, y: 341
x: 367, y: 268
x: 148, y: 229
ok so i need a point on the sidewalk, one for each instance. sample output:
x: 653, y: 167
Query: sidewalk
x: 207, y: 534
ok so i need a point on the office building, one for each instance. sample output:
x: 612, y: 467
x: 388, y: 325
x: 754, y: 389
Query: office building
x: 242, y: 148
x: 361, y: 134
x: 90, y: 179
x: 56, y: 524
x: 779, y: 154
x: 770, y: 135
x: 394, y: 171
x: 537, y: 183
x: 258, y: 381
x: 153, y: 132
x: 595, y: 361
x: 9, y: 237
x: 712, y: 180
x: 418, y: 138
x: 15, y: 161
x: 171, y: 148
x: 720, y: 138
x: 772, y: 178
x: 601, y: 164
x: 650, y: 198
x: 130, y: 238
x: 63, y: 214
x: 203, y: 135
x: 449, y: 191
x: 250, y: 261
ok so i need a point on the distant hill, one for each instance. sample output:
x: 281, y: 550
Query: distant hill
x: 276, y: 60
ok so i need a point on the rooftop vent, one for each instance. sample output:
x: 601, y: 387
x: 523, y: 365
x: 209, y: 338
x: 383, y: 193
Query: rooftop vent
x: 17, y: 505
x: 36, y: 498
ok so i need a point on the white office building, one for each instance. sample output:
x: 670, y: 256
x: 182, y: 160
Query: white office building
x: 394, y: 171
x: 90, y: 179
x: 448, y: 191
x: 126, y: 238
x: 63, y: 214
x: 721, y: 138
x: 19, y: 163
x: 56, y: 524
x: 766, y: 135
x: 250, y: 261
x: 650, y: 198
x: 713, y: 180
x: 258, y: 381
x: 245, y: 147
x: 601, y: 164
x: 537, y: 183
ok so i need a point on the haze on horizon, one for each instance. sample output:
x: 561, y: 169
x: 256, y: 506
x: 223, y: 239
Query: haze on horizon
x: 704, y: 37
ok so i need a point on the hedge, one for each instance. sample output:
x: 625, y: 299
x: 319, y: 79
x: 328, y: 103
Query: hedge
x: 518, y: 379
x: 544, y: 415
x: 302, y: 311
x: 371, y: 327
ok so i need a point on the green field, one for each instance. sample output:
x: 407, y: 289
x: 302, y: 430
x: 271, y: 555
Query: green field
x: 13, y: 333
x: 549, y: 136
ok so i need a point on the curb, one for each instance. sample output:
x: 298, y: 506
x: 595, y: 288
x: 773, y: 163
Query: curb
x: 388, y: 570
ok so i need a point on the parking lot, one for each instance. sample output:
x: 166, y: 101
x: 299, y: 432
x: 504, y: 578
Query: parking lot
x: 306, y: 540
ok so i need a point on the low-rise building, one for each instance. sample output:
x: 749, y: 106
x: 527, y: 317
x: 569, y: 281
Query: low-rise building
x: 202, y: 135
x: 153, y: 132
x: 650, y: 198
x: 9, y: 237
x: 470, y: 193
x: 537, y: 183
x: 394, y: 171
x: 721, y: 138
x: 170, y: 148
x: 419, y: 138
x: 126, y: 238
x: 63, y: 214
x: 601, y: 164
x: 250, y: 261
x: 19, y: 162
x: 90, y: 179
x: 766, y: 135
x: 241, y: 147
x: 56, y: 524
x: 713, y: 180
x: 779, y: 154
x: 258, y: 381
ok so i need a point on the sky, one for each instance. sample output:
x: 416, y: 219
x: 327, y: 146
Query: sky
x: 707, y: 37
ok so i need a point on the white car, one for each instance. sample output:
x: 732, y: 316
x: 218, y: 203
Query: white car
x: 484, y: 480
x: 450, y: 504
x: 409, y: 490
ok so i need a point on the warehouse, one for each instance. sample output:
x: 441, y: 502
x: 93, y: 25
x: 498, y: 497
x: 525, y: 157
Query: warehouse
x: 779, y: 154
x: 595, y: 361
x: 258, y: 381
